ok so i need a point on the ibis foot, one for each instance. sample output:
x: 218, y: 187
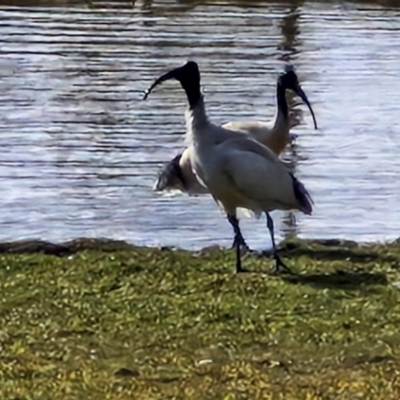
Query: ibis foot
x: 242, y: 271
x: 280, y: 266
x: 239, y: 268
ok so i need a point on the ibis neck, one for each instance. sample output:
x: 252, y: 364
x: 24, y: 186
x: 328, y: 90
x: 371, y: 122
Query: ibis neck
x: 196, y: 120
x: 193, y: 94
x: 283, y: 109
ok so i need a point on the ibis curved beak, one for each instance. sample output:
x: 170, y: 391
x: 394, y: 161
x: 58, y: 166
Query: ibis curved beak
x: 188, y: 76
x: 299, y: 91
x: 173, y: 74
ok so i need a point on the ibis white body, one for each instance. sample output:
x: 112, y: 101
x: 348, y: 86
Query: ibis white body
x: 237, y: 170
x: 274, y: 135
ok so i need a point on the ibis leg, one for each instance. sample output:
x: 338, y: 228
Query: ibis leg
x: 279, y: 264
x: 238, y: 234
x: 242, y: 242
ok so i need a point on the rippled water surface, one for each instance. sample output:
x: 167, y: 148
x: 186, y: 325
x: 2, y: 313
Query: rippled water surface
x: 81, y: 150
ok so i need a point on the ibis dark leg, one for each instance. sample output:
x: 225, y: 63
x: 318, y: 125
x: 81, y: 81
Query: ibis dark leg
x: 238, y: 237
x: 279, y: 264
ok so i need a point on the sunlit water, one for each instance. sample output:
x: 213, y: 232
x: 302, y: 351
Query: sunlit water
x: 81, y: 150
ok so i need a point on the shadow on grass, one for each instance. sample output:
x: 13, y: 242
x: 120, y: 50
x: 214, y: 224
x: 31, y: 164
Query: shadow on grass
x: 338, y: 279
x: 333, y: 255
x: 333, y: 250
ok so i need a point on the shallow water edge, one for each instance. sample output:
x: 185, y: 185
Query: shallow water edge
x: 287, y: 246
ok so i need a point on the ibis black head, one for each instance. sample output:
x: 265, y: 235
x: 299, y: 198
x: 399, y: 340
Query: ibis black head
x: 289, y: 80
x: 171, y: 176
x: 189, y: 77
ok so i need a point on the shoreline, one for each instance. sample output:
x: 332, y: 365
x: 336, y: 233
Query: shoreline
x: 76, y: 245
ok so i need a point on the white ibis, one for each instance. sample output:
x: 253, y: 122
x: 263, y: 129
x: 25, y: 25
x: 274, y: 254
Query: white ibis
x: 238, y: 171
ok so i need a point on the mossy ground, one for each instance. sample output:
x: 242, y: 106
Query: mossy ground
x: 104, y: 320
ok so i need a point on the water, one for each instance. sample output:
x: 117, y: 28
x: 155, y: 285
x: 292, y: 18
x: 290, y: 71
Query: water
x: 81, y: 150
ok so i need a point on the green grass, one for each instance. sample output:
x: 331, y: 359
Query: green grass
x: 104, y: 320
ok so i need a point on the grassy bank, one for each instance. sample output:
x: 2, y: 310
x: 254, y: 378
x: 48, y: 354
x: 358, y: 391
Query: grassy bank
x: 104, y: 320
